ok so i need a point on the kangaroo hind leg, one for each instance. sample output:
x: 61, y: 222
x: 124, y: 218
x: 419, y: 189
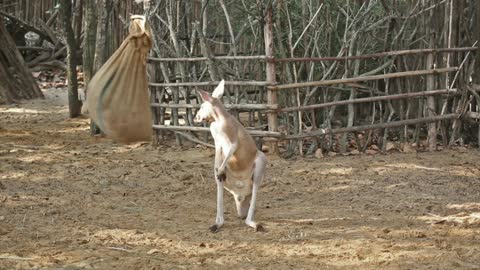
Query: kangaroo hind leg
x: 258, y: 174
x: 243, y: 204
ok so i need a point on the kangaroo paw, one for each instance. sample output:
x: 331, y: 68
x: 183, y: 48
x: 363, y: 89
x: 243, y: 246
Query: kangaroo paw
x: 215, y: 228
x: 260, y: 228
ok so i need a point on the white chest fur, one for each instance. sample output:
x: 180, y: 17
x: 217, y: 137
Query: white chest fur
x: 220, y: 138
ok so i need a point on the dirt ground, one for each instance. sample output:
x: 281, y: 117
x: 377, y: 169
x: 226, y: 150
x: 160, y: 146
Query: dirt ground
x: 71, y: 201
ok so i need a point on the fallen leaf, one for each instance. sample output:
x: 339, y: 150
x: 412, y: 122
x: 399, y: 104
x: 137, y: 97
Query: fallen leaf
x: 153, y: 251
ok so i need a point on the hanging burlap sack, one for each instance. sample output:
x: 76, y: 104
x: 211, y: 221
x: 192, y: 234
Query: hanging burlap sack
x: 117, y: 96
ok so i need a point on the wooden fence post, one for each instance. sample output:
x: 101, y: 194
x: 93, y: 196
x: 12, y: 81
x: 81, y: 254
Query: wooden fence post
x: 270, y: 76
x: 431, y: 106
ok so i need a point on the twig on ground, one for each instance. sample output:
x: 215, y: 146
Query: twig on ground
x: 119, y: 249
x: 15, y: 258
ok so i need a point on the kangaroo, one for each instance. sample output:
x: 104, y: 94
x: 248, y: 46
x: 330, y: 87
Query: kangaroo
x: 239, y: 167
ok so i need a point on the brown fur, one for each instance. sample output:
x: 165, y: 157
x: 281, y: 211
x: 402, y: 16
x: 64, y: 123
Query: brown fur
x: 247, y: 150
x: 239, y: 166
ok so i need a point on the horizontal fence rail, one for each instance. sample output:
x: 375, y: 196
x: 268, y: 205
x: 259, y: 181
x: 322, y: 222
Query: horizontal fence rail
x: 255, y: 133
x: 257, y: 107
x: 314, y: 59
x: 370, y: 99
x: 365, y: 78
x: 211, y: 83
x: 201, y: 59
x: 276, y: 108
x: 322, y: 132
x: 373, y: 55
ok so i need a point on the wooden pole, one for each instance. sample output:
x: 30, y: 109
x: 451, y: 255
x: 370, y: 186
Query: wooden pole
x: 313, y: 59
x: 255, y: 107
x: 211, y: 83
x: 431, y: 106
x: 270, y: 70
x: 374, y: 55
x: 322, y: 132
x: 201, y: 59
x: 364, y: 78
x: 370, y: 99
x: 256, y: 133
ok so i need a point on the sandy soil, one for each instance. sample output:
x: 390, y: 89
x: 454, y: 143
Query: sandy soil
x: 71, y: 201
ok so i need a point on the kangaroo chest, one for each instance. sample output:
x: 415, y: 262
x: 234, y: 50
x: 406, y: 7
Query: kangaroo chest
x: 221, y: 139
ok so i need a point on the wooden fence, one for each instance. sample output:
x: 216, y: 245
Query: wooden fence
x: 261, y: 98
x: 421, y: 94
x: 275, y: 109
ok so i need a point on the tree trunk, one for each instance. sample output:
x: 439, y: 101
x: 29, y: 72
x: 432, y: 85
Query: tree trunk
x: 74, y: 103
x: 101, y: 55
x: 89, y: 40
x: 16, y: 81
x: 100, y: 52
x: 77, y: 22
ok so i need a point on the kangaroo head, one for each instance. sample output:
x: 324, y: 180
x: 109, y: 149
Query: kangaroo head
x: 207, y: 110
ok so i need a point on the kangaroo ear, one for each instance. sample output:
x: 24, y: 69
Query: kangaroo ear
x: 204, y: 95
x: 218, y: 92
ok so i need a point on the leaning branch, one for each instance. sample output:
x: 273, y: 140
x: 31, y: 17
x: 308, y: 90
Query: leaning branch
x: 27, y: 26
x: 193, y: 139
x: 49, y: 32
